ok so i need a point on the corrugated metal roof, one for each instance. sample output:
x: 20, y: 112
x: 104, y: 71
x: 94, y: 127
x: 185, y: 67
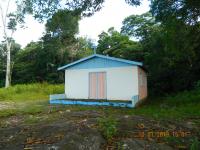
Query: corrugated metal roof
x: 101, y: 56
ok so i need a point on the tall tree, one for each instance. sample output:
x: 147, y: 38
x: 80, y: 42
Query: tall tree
x: 139, y: 26
x: 9, y: 23
x: 63, y: 26
x: 14, y: 50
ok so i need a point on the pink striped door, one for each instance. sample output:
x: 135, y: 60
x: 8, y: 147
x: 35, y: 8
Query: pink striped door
x: 97, y: 85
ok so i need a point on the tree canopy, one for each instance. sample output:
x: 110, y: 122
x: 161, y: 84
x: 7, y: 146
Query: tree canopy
x: 187, y: 11
x: 116, y: 44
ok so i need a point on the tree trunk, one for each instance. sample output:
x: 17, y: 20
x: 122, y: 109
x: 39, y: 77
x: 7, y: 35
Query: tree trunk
x: 8, y: 68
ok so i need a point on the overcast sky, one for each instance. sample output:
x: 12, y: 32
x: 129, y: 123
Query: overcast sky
x: 111, y: 15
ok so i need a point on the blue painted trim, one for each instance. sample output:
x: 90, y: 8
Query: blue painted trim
x: 135, y: 99
x: 101, y: 56
x: 57, y: 96
x: 91, y: 103
x: 97, y: 62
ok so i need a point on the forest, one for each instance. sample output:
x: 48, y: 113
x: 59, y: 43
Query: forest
x: 166, y: 39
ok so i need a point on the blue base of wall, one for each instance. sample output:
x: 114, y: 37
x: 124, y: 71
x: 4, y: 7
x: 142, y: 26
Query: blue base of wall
x: 93, y: 103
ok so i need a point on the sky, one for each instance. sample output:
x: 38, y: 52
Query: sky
x: 111, y: 15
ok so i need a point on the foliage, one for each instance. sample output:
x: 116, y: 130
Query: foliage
x: 195, y: 144
x: 177, y: 68
x: 33, y: 70
x: 133, y: 2
x: 84, y: 47
x: 44, y: 9
x: 139, y: 26
x: 30, y: 92
x: 63, y: 24
x: 175, y: 106
x: 116, y: 44
x: 197, y: 86
x: 9, y: 24
x: 27, y: 98
x: 168, y: 42
x: 108, y: 127
x: 57, y: 47
x: 33, y: 98
x: 14, y: 50
x: 187, y: 11
x: 44, y: 57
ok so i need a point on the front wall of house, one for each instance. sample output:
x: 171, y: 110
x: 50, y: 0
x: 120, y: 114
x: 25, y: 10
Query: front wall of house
x: 122, y: 82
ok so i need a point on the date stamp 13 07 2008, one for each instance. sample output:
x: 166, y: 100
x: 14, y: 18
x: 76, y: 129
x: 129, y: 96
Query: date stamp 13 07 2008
x: 150, y: 134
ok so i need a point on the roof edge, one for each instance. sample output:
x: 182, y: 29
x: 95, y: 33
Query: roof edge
x: 101, y: 56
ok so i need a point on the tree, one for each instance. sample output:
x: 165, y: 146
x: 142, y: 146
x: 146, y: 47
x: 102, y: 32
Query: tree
x: 170, y: 52
x: 139, y: 26
x: 85, y: 47
x: 9, y: 22
x: 57, y: 47
x: 63, y: 26
x: 116, y: 44
x: 14, y: 50
x: 44, y: 9
x: 187, y: 11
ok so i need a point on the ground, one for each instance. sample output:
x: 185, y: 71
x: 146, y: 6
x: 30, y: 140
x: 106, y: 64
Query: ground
x: 71, y: 127
x: 33, y: 124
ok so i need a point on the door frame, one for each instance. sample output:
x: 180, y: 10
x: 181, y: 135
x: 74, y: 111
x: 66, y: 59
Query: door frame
x: 96, y: 72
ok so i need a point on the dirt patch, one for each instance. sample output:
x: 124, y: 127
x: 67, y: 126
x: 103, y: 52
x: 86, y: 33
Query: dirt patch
x: 6, y: 105
x: 60, y: 135
x: 78, y: 130
x: 139, y: 132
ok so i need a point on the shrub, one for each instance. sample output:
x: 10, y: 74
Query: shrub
x: 108, y: 126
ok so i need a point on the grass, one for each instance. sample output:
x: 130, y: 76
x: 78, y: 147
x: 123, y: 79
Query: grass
x: 182, y: 105
x: 30, y: 103
x: 195, y: 144
x: 27, y: 98
x: 30, y: 92
x: 33, y: 99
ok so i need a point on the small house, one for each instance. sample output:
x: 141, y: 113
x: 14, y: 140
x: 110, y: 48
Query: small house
x: 102, y: 77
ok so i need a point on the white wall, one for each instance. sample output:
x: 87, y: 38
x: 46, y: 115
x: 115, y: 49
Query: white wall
x: 122, y: 82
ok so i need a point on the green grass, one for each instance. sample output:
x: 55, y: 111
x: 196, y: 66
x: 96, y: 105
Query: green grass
x: 30, y: 92
x: 33, y: 99
x: 182, y: 105
x: 27, y: 98
x: 179, y: 106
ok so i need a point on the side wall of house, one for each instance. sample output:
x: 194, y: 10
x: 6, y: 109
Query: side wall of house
x: 142, y: 83
x: 121, y: 82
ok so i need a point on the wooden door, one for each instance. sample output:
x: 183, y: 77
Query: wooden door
x: 97, y: 85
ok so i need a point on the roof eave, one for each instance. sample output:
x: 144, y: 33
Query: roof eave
x: 76, y: 62
x: 101, y: 56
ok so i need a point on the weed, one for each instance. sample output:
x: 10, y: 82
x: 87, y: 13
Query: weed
x: 195, y: 144
x: 108, y: 126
